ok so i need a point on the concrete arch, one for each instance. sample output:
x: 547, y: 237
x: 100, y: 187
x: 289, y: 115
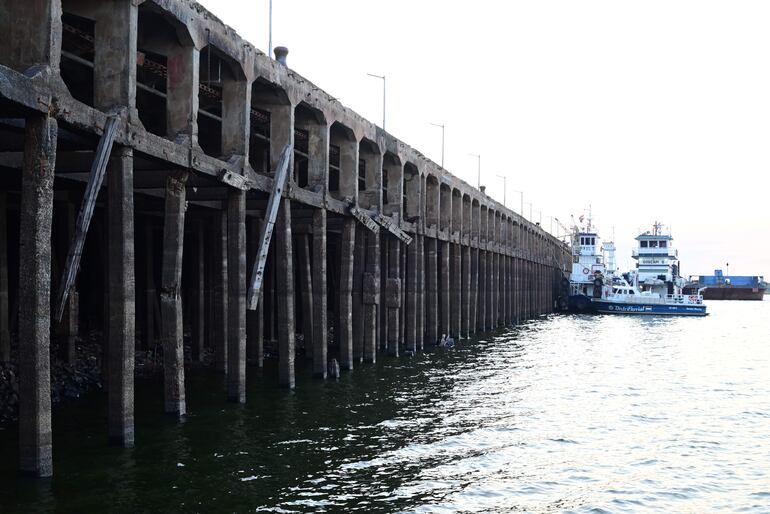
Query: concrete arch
x: 411, y: 192
x: 343, y: 162
x: 392, y: 183
x: 369, y: 174
x: 445, y: 206
x: 311, y: 148
x: 432, y: 200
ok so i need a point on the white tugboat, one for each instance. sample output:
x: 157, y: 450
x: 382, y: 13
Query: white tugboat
x: 655, y: 287
x: 588, y: 268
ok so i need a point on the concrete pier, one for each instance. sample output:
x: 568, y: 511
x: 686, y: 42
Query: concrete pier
x: 375, y: 249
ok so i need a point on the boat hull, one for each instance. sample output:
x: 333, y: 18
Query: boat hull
x: 610, y: 307
x: 733, y: 293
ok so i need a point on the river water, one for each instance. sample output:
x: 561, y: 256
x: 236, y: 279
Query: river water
x: 561, y: 414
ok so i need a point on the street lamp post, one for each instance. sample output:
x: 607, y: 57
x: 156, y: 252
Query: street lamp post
x: 477, y: 156
x: 270, y: 30
x: 505, y: 188
x: 383, y: 95
x: 442, y: 141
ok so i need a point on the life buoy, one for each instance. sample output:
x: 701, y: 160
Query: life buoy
x: 693, y: 298
x: 586, y: 271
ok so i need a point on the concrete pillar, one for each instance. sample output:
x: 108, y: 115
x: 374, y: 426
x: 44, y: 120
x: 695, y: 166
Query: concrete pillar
x: 393, y: 294
x: 236, y: 289
x: 35, y: 445
x: 345, y: 308
x: 5, y: 329
x: 382, y: 310
x: 320, y: 294
x: 481, y: 314
x: 444, y: 297
x: 151, y: 297
x: 474, y: 290
x: 371, y: 296
x: 455, y: 284
x: 431, y: 288
x: 183, y: 65
x: 359, y: 262
x: 122, y: 297
x: 221, y: 296
x: 199, y: 292
x: 504, y: 288
x: 466, y: 291
x: 306, y: 293
x: 170, y: 294
x: 255, y: 326
x: 285, y: 304
x: 490, y: 279
x: 420, y: 325
x: 412, y: 285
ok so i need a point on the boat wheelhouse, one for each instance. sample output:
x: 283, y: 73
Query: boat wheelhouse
x: 657, y: 262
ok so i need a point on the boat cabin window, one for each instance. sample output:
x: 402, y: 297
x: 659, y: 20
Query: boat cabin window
x: 643, y: 244
x: 653, y: 244
x: 630, y: 291
x: 663, y: 244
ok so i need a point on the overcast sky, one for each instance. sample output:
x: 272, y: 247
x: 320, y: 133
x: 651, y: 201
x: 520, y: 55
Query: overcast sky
x: 655, y: 110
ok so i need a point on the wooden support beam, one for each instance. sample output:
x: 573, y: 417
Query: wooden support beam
x: 258, y: 269
x: 392, y: 227
x: 35, y: 440
x: 122, y: 298
x: 170, y: 295
x: 95, y: 179
x: 364, y: 219
x: 236, y: 289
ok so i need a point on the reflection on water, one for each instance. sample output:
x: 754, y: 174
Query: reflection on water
x: 562, y: 414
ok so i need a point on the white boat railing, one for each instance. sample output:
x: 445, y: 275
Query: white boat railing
x: 669, y: 299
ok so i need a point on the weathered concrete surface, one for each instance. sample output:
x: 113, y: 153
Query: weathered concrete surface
x: 170, y: 294
x: 122, y: 297
x: 35, y: 445
x: 236, y: 303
